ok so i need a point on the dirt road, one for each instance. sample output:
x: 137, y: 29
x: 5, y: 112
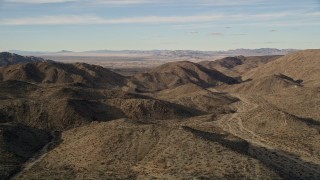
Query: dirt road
x: 265, y: 150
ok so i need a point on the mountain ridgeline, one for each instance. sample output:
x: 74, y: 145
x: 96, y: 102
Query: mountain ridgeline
x: 59, y: 73
x: 234, y: 118
x: 7, y: 58
x: 175, y: 74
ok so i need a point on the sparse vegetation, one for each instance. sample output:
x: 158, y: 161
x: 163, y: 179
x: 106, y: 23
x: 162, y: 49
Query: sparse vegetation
x: 177, y: 121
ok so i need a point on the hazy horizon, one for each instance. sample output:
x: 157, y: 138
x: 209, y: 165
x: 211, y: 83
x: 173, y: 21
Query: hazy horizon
x: 206, y: 25
x: 141, y: 50
x: 160, y: 89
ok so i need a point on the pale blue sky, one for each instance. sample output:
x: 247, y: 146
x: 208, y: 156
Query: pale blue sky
x: 78, y: 25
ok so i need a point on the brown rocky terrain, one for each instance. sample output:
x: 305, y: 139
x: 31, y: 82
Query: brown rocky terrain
x: 177, y: 121
x: 236, y: 66
x: 303, y: 65
x: 303, y: 102
x: 78, y: 105
x: 174, y: 74
x: 11, y: 58
x: 18, y: 143
x: 286, y: 142
x: 129, y: 149
x: 59, y: 73
x: 194, y: 96
x: 264, y: 85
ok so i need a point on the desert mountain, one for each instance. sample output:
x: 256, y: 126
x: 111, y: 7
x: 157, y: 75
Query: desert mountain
x: 303, y: 65
x: 126, y: 149
x: 194, y: 96
x: 264, y: 85
x: 7, y: 58
x: 67, y: 106
x: 264, y: 147
x: 18, y: 143
x: 167, y: 53
x: 178, y: 73
x: 236, y: 66
x: 177, y: 121
x: 297, y: 94
x: 287, y: 142
x: 303, y: 102
x: 59, y: 73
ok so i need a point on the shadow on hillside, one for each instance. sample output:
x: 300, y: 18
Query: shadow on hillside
x: 287, y: 165
x: 240, y: 146
x: 310, y: 121
x: 96, y: 111
x: 55, y: 141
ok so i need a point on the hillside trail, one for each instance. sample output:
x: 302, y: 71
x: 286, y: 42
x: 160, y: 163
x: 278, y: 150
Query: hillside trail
x: 39, y: 156
x: 233, y: 124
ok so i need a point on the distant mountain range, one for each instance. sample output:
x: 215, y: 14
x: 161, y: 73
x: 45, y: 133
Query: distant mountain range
x: 169, y: 53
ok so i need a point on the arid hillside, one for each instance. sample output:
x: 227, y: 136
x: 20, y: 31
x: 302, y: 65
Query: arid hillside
x: 77, y: 105
x: 301, y: 65
x: 59, y: 73
x: 10, y: 58
x: 194, y: 96
x: 18, y: 143
x: 264, y: 85
x: 236, y: 66
x: 180, y: 120
x: 127, y: 149
x: 174, y: 74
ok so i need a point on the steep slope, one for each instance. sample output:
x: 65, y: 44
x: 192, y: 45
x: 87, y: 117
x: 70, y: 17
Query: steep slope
x: 7, y: 58
x: 304, y: 65
x: 17, y: 144
x: 178, y: 73
x: 67, y: 106
x: 236, y: 66
x: 126, y: 149
x: 302, y: 102
x: 287, y: 142
x: 264, y: 85
x: 178, y: 121
x: 51, y: 72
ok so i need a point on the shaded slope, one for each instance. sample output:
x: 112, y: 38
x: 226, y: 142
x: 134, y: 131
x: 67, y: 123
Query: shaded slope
x: 17, y: 144
x: 51, y: 72
x: 271, y: 128
x: 178, y: 73
x: 68, y: 106
x: 304, y: 65
x: 287, y: 142
x: 125, y: 149
x: 263, y: 85
x: 152, y: 109
x: 236, y: 66
x: 7, y: 58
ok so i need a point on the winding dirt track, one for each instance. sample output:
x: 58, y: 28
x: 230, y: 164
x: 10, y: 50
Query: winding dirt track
x: 233, y: 124
x: 268, y: 152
